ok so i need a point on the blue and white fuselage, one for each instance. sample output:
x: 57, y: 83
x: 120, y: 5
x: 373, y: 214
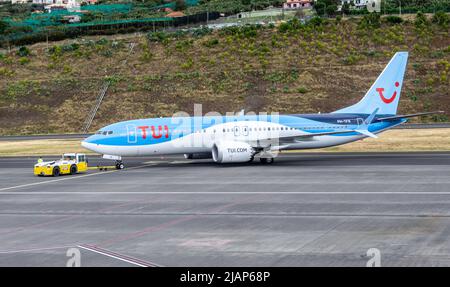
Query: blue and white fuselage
x: 137, y: 138
x: 239, y: 138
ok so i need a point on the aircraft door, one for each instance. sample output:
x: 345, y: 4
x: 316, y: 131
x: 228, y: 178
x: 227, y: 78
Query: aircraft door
x: 131, y: 134
x: 245, y: 131
x: 236, y: 131
x: 359, y: 123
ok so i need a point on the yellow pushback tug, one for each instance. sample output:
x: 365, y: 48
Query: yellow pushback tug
x: 70, y: 163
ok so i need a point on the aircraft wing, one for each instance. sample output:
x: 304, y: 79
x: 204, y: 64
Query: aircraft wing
x: 303, y: 137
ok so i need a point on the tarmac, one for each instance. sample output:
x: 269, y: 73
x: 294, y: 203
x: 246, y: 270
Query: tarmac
x: 306, y: 209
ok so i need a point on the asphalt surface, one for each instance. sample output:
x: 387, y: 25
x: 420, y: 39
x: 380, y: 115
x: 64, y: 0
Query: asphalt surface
x: 44, y: 137
x: 322, y: 209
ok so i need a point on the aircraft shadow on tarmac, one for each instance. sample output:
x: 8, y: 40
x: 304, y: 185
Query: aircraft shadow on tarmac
x: 315, y: 160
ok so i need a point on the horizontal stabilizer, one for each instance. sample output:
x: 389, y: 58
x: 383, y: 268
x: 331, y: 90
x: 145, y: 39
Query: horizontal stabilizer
x: 409, y: 116
x: 367, y: 133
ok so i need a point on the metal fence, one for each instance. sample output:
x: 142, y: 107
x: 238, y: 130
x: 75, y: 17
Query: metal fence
x: 56, y: 33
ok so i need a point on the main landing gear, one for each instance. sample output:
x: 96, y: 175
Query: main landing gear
x: 266, y: 160
x: 265, y: 156
x: 119, y: 164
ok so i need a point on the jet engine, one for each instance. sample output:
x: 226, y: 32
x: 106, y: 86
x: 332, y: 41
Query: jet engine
x: 230, y: 151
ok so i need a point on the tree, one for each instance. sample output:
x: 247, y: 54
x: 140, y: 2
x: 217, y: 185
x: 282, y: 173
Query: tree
x: 440, y: 18
x: 23, y: 51
x: 3, y: 26
x: 370, y: 21
x: 328, y: 7
x: 331, y: 10
x: 345, y: 8
x: 421, y: 20
x: 180, y: 5
x: 320, y: 8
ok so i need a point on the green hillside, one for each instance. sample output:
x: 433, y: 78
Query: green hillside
x: 292, y: 68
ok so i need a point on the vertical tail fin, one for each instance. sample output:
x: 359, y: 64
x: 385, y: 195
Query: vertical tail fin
x: 384, y: 94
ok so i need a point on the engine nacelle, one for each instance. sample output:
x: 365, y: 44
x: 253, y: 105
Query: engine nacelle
x: 197, y: 155
x: 230, y: 151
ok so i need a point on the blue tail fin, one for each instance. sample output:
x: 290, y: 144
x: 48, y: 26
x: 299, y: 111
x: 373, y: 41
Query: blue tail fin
x: 384, y: 94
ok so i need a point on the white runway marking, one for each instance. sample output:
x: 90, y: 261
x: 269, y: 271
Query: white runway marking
x: 67, y: 178
x: 227, y: 192
x: 34, y: 249
x: 118, y: 256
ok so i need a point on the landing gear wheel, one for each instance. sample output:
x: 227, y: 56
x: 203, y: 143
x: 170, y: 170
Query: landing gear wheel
x: 266, y: 160
x: 56, y: 171
x: 120, y: 165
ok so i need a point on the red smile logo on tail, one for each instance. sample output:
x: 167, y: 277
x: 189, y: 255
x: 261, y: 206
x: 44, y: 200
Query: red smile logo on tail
x: 391, y: 99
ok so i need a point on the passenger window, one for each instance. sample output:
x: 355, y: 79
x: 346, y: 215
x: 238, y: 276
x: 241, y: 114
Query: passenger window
x: 110, y: 132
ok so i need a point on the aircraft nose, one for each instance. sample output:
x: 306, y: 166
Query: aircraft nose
x: 88, y: 143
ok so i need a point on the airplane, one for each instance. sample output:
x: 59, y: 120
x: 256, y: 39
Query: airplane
x: 239, y: 138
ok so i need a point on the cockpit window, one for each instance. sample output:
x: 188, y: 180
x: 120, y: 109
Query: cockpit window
x: 104, y: 133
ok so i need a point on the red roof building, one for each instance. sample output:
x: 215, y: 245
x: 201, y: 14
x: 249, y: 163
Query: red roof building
x: 297, y: 4
x: 175, y: 14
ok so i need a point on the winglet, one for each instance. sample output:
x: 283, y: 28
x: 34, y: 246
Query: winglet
x: 370, y: 118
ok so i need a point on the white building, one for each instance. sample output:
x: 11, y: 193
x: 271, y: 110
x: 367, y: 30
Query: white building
x: 358, y: 4
x: 70, y: 5
x: 43, y: 2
